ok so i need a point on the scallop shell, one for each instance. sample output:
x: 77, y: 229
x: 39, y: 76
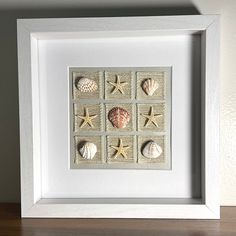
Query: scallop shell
x: 86, y: 85
x: 151, y: 150
x: 119, y: 117
x: 150, y: 86
x: 88, y: 150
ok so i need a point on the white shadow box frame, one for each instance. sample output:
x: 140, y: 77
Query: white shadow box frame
x: 47, y: 48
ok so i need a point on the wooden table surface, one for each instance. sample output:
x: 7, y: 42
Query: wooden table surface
x: 11, y: 224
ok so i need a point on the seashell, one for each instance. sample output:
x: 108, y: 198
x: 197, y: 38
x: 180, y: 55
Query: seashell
x: 150, y: 86
x: 119, y: 117
x: 151, y: 150
x: 88, y: 150
x: 86, y: 85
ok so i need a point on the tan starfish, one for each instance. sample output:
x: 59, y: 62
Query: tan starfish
x: 120, y: 149
x: 151, y: 117
x: 87, y: 119
x: 118, y: 86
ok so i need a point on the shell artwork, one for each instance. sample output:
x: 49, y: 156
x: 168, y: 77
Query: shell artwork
x: 88, y: 150
x: 151, y: 150
x: 119, y: 117
x: 86, y: 85
x: 150, y: 86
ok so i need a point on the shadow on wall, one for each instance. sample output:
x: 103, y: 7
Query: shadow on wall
x: 9, y: 119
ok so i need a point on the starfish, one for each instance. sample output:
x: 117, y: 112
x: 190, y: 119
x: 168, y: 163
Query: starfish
x: 87, y: 119
x: 120, y: 149
x: 151, y: 117
x: 118, y: 86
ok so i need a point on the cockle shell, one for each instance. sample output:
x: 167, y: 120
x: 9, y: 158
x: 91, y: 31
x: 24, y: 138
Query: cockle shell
x: 86, y: 85
x: 151, y: 150
x: 88, y: 150
x: 119, y: 117
x: 150, y: 86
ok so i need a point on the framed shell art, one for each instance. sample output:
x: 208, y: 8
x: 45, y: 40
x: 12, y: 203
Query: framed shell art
x: 120, y: 117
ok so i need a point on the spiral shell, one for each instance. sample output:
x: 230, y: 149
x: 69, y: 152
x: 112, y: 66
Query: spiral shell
x: 119, y: 117
x: 86, y: 85
x: 88, y: 150
x: 150, y: 86
x: 151, y: 150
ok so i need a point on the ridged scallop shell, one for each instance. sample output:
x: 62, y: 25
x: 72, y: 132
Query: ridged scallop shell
x: 88, y: 150
x: 150, y: 86
x: 152, y: 150
x: 86, y: 85
x: 119, y: 117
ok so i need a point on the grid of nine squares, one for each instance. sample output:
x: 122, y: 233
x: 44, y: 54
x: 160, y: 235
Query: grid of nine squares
x: 134, y: 100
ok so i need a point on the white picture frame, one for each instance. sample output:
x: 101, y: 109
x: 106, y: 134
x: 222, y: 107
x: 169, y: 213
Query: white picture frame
x: 32, y: 204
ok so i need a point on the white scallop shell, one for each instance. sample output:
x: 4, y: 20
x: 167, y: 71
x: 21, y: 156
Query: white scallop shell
x: 86, y: 85
x: 88, y: 150
x: 152, y: 150
x: 150, y: 86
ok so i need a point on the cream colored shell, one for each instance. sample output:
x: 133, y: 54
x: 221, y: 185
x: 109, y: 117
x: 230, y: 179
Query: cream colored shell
x: 152, y: 150
x: 86, y: 85
x: 88, y: 150
x: 150, y: 86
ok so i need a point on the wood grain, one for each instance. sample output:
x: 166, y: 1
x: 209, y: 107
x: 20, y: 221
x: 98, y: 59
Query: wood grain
x: 11, y: 225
